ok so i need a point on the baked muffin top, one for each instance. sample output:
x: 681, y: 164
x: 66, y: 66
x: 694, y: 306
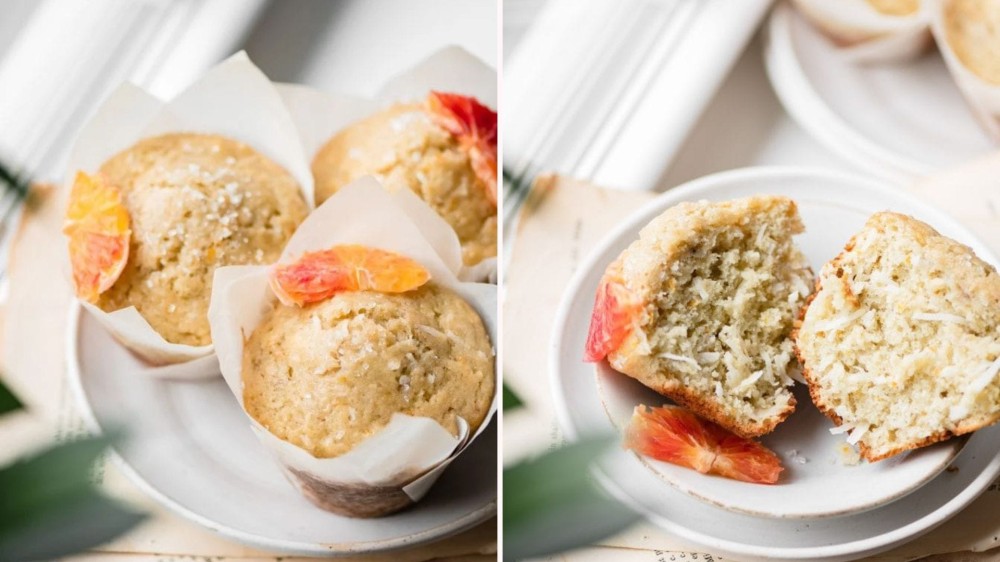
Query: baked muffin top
x: 404, y: 148
x: 331, y: 374
x: 972, y: 29
x: 196, y: 202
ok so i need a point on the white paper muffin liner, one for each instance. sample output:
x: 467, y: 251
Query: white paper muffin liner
x: 982, y: 96
x: 234, y: 99
x: 321, y: 115
x: 397, y: 465
x: 864, y: 34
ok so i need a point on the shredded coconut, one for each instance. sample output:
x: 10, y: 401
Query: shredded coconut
x: 839, y: 322
x: 709, y: 357
x: 680, y: 358
x: 432, y: 331
x: 841, y: 429
x: 940, y: 317
x: 748, y: 382
x: 796, y: 457
x: 984, y: 379
x: 957, y: 412
x: 856, y: 435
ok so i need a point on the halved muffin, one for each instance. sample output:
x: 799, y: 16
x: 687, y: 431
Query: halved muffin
x: 901, y: 342
x: 701, y: 309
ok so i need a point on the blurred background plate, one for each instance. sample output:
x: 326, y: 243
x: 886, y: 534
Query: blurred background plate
x: 896, y: 121
x: 189, y: 446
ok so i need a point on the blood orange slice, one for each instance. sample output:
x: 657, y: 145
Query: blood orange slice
x: 475, y: 127
x: 97, y: 225
x: 317, y: 276
x: 675, y: 435
x: 611, y: 321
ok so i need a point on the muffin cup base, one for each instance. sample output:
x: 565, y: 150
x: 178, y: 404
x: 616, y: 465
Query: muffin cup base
x: 351, y: 500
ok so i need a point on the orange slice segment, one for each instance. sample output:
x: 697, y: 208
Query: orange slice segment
x: 317, y: 276
x: 677, y: 436
x: 612, y: 319
x: 475, y: 127
x: 97, y: 225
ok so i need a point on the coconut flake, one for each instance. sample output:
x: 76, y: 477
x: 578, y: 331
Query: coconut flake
x: 680, y: 358
x: 718, y: 389
x: 432, y: 331
x: 940, y: 317
x: 801, y: 286
x: 984, y: 379
x: 796, y: 457
x: 761, y: 234
x: 856, y: 435
x: 839, y: 322
x: 844, y: 428
x: 748, y: 382
x: 958, y: 412
x: 709, y: 357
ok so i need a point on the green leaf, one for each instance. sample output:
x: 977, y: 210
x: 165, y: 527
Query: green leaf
x: 8, y: 402
x: 511, y: 401
x: 82, y: 521
x: 552, y: 503
x: 50, y: 507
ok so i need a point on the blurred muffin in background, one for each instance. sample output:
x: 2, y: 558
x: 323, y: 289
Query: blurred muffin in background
x: 444, y: 150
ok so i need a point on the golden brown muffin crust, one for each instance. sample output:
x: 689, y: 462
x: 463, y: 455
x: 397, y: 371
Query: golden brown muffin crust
x: 196, y: 202
x: 404, y: 149
x: 331, y: 374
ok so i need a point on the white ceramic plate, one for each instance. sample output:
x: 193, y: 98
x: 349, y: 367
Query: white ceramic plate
x: 896, y: 120
x: 190, y: 447
x: 821, y: 486
x: 833, y: 206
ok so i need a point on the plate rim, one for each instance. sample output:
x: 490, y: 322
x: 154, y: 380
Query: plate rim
x: 679, y: 193
x: 296, y: 548
x: 810, y: 112
x: 957, y: 444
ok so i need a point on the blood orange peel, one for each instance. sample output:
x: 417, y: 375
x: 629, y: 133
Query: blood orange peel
x: 98, y: 227
x: 475, y: 127
x: 677, y: 436
x: 615, y: 308
x: 317, y: 276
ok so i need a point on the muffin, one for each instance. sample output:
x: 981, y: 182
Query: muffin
x: 871, y: 31
x: 409, y: 146
x: 972, y: 31
x: 329, y: 375
x: 900, y: 344
x: 195, y: 202
x: 895, y: 7
x: 701, y: 308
